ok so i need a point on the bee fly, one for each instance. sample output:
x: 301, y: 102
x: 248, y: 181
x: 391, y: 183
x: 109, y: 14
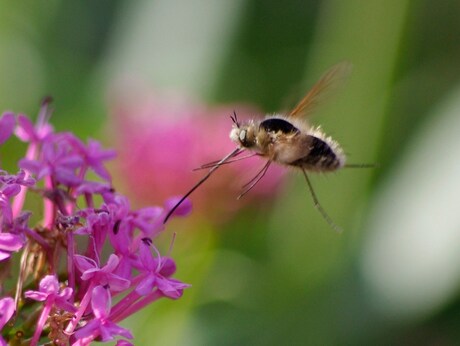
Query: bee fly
x: 287, y: 140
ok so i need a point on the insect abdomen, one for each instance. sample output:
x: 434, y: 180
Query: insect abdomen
x: 322, y: 156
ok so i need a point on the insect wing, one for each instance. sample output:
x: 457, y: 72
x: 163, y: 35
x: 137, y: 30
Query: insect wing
x: 329, y: 81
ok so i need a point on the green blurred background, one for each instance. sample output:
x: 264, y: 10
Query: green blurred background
x: 278, y: 274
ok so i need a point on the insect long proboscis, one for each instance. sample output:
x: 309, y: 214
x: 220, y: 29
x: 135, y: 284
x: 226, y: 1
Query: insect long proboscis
x: 234, y: 153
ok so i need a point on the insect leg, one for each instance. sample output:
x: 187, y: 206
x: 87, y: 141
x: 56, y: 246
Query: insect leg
x: 213, y: 163
x: 234, y: 153
x: 318, y: 205
x: 250, y: 184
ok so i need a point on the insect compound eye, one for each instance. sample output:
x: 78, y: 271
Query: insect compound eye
x: 242, y: 136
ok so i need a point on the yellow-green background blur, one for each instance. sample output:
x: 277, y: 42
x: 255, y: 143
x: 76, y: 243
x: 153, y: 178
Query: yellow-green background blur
x: 279, y: 275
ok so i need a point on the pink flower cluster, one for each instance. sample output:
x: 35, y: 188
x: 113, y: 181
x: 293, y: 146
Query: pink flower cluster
x: 91, y: 258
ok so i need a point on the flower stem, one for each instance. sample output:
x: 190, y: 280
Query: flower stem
x: 151, y: 297
x: 70, y: 263
x: 38, y: 238
x: 19, y: 199
x: 41, y: 322
x: 81, y: 310
x: 49, y: 210
x: 123, y: 304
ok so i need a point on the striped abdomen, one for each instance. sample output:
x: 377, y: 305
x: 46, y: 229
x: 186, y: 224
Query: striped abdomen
x: 322, y: 155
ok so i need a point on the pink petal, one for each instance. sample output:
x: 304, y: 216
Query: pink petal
x: 32, y: 166
x: 168, y: 267
x: 105, y: 333
x: 4, y: 255
x: 11, y: 190
x: 96, y: 150
x: 147, y: 260
x: 146, y: 285
x: 84, y: 263
x: 7, y: 309
x: 101, y: 171
x: 150, y: 213
x: 36, y: 295
x: 88, y: 329
x: 124, y: 269
x: 25, y: 131
x: 168, y: 290
x: 5, y: 209
x: 90, y: 273
x: 65, y: 305
x: 117, y: 330
x: 10, y: 242
x: 66, y: 293
x: 117, y: 283
x: 112, y: 263
x: 101, y: 302
x: 171, y: 288
x: 67, y: 177
x: 7, y: 122
x: 49, y: 284
x: 121, y: 241
x: 71, y: 161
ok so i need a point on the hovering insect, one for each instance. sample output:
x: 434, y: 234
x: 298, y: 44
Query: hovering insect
x: 287, y: 140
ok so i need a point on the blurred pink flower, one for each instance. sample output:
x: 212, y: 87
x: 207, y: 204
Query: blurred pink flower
x: 161, y: 141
